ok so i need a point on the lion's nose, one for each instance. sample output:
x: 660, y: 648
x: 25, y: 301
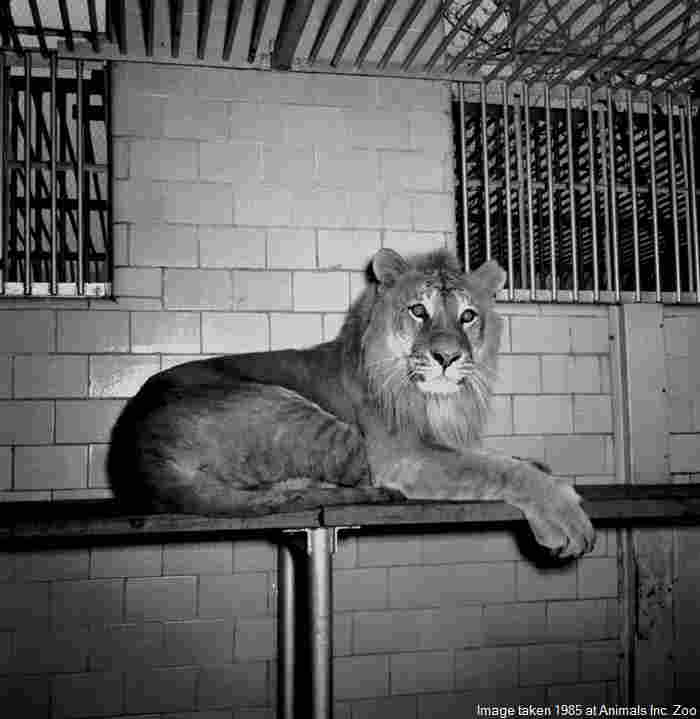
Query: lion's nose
x: 445, y: 359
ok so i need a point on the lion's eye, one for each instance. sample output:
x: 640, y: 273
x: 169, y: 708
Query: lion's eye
x: 468, y: 316
x: 418, y: 311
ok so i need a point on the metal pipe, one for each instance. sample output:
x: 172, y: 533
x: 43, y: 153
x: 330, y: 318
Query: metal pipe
x: 321, y: 601
x: 517, y: 128
x: 606, y: 195
x: 654, y: 205
x: 52, y: 189
x: 474, y: 40
x: 427, y: 31
x: 107, y: 102
x: 613, y: 198
x: 80, y: 178
x: 286, y: 614
x: 693, y: 198
x: 633, y: 189
x: 528, y: 165
x: 4, y: 239
x: 465, y: 198
x: 686, y: 197
x: 550, y: 191
x: 27, y: 174
x: 374, y: 31
x: 326, y: 22
x: 674, y: 193
x: 349, y: 30
x: 572, y: 192
x: 593, y: 193
x: 506, y: 175
x: 485, y: 161
x: 403, y: 29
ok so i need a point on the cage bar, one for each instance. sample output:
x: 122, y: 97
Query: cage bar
x: 4, y: 237
x: 94, y: 33
x: 572, y: 191
x: 593, y: 192
x: 520, y: 183
x: 654, y: 199
x: 550, y: 190
x: 693, y: 196
x: 465, y: 198
x: 485, y: 161
x: 80, y: 176
x: 65, y: 21
x: 506, y: 175
x: 27, y: 173
x: 53, y: 69
x: 633, y: 190
x: 613, y: 197
x: 528, y: 166
x: 692, y: 287
x: 674, y: 193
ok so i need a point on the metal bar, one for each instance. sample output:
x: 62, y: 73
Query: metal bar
x: 423, y: 37
x: 376, y: 28
x: 602, y: 135
x: 469, y: 47
x: 572, y: 191
x: 406, y: 23
x: 203, y: 20
x: 294, y: 19
x: 485, y: 160
x: 107, y: 102
x: 65, y: 20
x: 674, y: 194
x: 4, y: 102
x: 613, y: 197
x: 323, y: 29
x: 528, y: 167
x: 633, y: 190
x: 54, y: 151
x: 654, y: 204
x: 233, y: 15
x: 27, y: 174
x: 118, y: 15
x: 286, y: 614
x: 175, y: 11
x: 518, y: 137
x: 465, y: 198
x: 440, y: 49
x: 693, y: 197
x: 349, y: 30
x: 11, y: 27
x: 684, y: 65
x: 593, y: 192
x: 36, y: 18
x: 147, y: 21
x: 94, y: 33
x: 550, y: 191
x: 509, y: 207
x: 692, y: 286
x: 80, y: 176
x: 321, y: 601
x: 4, y: 29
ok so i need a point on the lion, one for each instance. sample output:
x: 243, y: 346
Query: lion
x: 394, y: 406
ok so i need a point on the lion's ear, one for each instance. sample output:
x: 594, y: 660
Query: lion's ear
x: 491, y: 276
x: 388, y: 266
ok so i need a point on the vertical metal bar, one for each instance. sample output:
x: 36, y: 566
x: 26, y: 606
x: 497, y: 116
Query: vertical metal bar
x: 465, y: 197
x: 606, y: 196
x: 572, y: 191
x: 80, y: 179
x: 286, y: 613
x: 528, y: 166
x: 633, y: 190
x: 692, y: 286
x: 593, y: 192
x: 654, y: 204
x: 550, y: 190
x: 613, y: 198
x: 485, y: 159
x: 506, y: 174
x: 52, y: 184
x: 27, y: 173
x: 4, y: 100
x: 518, y: 137
x: 674, y: 193
x: 107, y: 102
x: 693, y: 198
x: 321, y: 601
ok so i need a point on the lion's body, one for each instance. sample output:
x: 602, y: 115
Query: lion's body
x: 396, y: 403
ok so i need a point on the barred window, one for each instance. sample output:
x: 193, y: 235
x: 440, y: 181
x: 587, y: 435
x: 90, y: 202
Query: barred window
x: 581, y: 196
x: 56, y: 188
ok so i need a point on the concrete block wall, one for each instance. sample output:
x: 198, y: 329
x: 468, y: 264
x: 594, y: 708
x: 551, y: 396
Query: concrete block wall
x: 247, y: 204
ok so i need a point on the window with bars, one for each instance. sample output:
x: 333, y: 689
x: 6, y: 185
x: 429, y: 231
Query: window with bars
x: 56, y: 188
x: 583, y: 196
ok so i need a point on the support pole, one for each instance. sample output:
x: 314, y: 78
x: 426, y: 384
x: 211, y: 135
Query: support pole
x: 286, y: 608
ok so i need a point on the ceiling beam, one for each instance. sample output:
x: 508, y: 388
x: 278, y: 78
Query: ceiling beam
x: 36, y: 17
x: 294, y: 18
x: 94, y: 34
x: 175, y: 10
x: 118, y: 16
x: 147, y: 18
x: 261, y: 8
x: 65, y: 20
x: 203, y: 20
x: 326, y: 23
x: 233, y: 15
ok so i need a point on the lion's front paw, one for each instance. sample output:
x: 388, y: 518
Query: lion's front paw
x: 553, y: 509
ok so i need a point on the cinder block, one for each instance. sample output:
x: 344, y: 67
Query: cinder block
x: 544, y: 414
x: 331, y: 325
x: 198, y: 642
x: 597, y: 577
x: 356, y: 589
x: 191, y: 118
x: 680, y: 335
x: 197, y: 289
x: 264, y: 206
x: 548, y: 664
x: 120, y: 375
x: 123, y: 647
x: 538, y: 583
x: 85, y: 421
x: 262, y: 290
x: 500, y: 421
x: 421, y: 672
x: 294, y: 330
x: 198, y: 558
x: 120, y: 159
x: 55, y: 565
x: 349, y: 168
x: 143, y: 561
x: 233, y: 685
x: 93, y: 331
x: 577, y: 620
x: 430, y: 131
x: 562, y: 374
x: 291, y: 248
x: 306, y: 126
x: 97, y: 471
x: 479, y: 668
x: 358, y: 92
x: 138, y: 282
x: 161, y: 690
x: 227, y: 597
x: 5, y: 476
x: 50, y: 376
x: 347, y: 249
x: 143, y: 118
x: 459, y: 548
x: 50, y: 467
x: 365, y: 210
x: 342, y: 635
x: 269, y: 87
x: 24, y: 604
x: 519, y: 623
x: 387, y: 551
x: 541, y: 334
x: 163, y: 159
x: 139, y: 201
x: 323, y: 208
x: 579, y: 454
x: 231, y: 246
x: 592, y: 414
x: 450, y: 584
x: 172, y: 332
x: 587, y: 695
x: 26, y: 422
x: 681, y: 376
x: 518, y: 374
x: 284, y: 165
x: 199, y: 203
x: 413, y: 171
x: 433, y: 212
x: 164, y: 245
x: 413, y: 243
x: 5, y: 376
x: 227, y: 332
x: 256, y: 639
x: 89, y: 694
x: 230, y: 161
x: 93, y: 601
x: 590, y: 334
x: 357, y: 677
x: 397, y: 212
x: 40, y: 651
x: 399, y: 93
x: 27, y: 331
x: 321, y: 291
x: 403, y: 706
x: 466, y: 704
x: 255, y: 121
x: 160, y: 598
